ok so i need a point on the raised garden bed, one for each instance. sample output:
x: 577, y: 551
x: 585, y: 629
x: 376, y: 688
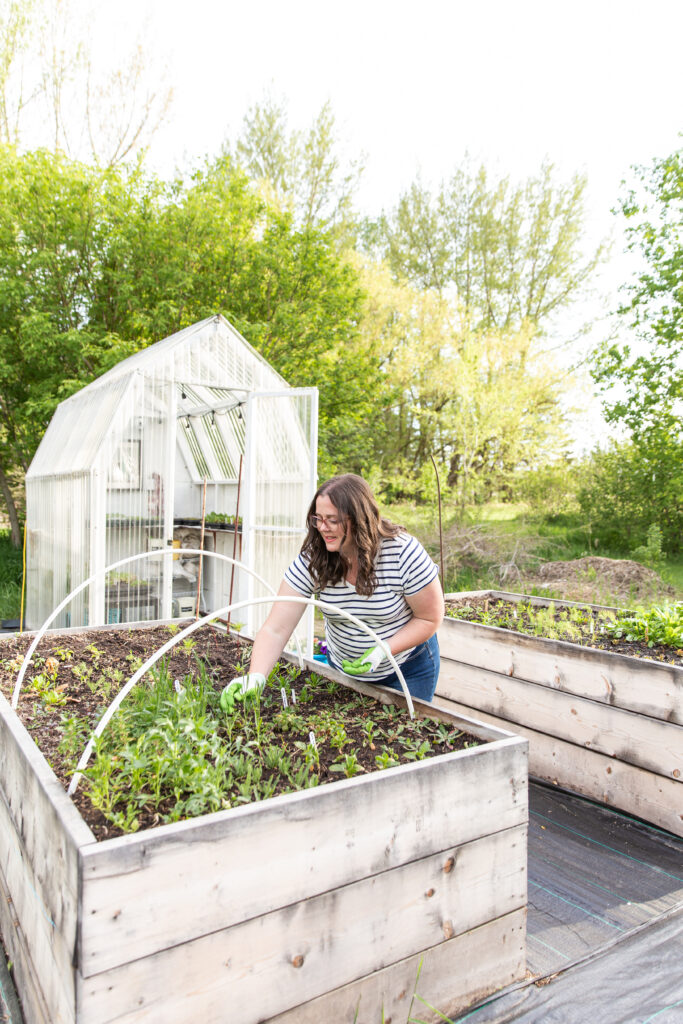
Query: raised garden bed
x: 601, y: 722
x: 312, y: 905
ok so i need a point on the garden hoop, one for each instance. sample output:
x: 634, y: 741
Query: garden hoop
x: 115, y: 565
x: 125, y: 690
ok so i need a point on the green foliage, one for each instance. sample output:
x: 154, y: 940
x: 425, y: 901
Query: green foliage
x: 651, y: 553
x: 632, y: 486
x: 97, y: 264
x: 512, y: 252
x: 552, y: 489
x: 10, y: 577
x: 10, y: 561
x: 481, y: 402
x: 303, y: 170
x: 644, y: 478
x: 662, y: 624
x: 651, y: 374
x: 170, y: 751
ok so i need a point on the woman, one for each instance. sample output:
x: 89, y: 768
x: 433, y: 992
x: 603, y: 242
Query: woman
x: 355, y: 559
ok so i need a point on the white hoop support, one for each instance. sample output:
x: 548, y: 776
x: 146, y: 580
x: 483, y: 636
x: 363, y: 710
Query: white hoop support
x: 110, y: 568
x: 125, y: 690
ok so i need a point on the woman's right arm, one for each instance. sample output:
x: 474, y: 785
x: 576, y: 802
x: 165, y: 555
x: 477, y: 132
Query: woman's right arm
x: 273, y: 635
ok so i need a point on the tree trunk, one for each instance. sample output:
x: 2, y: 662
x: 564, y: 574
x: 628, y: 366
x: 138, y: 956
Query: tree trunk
x: 11, y: 509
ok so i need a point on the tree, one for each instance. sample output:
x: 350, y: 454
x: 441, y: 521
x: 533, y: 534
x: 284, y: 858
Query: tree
x: 50, y: 233
x: 213, y: 245
x: 508, y: 254
x: 56, y: 94
x: 631, y: 487
x: 97, y: 264
x: 645, y: 369
x: 303, y: 171
x: 483, y: 403
x: 649, y: 368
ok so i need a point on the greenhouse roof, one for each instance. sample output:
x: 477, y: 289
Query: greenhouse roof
x: 156, y: 356
x: 203, y: 371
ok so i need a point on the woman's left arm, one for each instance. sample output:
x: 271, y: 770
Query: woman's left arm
x: 428, y: 610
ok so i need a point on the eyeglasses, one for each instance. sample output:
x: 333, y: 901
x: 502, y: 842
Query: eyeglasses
x: 331, y: 521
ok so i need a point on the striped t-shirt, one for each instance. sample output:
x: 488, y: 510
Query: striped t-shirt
x: 402, y: 567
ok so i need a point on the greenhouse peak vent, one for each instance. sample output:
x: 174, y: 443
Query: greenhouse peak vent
x: 195, y: 428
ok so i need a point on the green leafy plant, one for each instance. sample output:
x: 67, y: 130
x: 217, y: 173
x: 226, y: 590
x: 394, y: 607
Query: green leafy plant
x: 659, y: 625
x: 170, y: 752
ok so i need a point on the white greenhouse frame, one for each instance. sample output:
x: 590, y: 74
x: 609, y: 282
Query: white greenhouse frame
x: 179, y: 432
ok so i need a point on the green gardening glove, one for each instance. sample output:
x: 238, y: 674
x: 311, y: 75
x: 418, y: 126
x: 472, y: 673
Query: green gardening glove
x: 367, y: 662
x: 239, y: 689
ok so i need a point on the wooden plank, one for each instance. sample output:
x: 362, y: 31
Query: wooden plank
x: 533, y: 599
x: 651, y: 797
x: 44, y: 951
x: 31, y: 786
x: 39, y: 832
x: 452, y: 976
x: 646, y: 687
x: 287, y: 957
x: 34, y: 1007
x: 646, y: 742
x: 304, y: 844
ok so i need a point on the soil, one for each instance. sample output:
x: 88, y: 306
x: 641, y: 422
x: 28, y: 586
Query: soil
x: 225, y: 655
x: 498, y: 612
x: 599, y: 581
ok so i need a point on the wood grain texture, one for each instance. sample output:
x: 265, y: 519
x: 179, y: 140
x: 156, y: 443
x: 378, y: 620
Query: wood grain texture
x: 34, y: 1007
x: 644, y: 794
x: 449, y: 977
x: 649, y: 743
x: 285, y: 958
x: 40, y: 830
x: 305, y: 843
x: 45, y: 951
x: 646, y: 687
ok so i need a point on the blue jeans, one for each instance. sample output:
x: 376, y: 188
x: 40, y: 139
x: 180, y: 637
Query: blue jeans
x: 420, y: 671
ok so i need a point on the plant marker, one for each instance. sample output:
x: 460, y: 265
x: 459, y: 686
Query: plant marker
x: 283, y: 694
x: 311, y: 740
x: 293, y: 697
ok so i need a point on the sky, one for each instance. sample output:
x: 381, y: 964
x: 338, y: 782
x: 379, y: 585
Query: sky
x: 593, y: 86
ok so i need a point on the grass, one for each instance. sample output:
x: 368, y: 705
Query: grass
x: 482, y: 539
x: 673, y: 574
x: 556, y: 538
x: 10, y: 577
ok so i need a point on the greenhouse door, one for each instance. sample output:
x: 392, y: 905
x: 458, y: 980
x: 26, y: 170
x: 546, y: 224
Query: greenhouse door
x: 280, y: 478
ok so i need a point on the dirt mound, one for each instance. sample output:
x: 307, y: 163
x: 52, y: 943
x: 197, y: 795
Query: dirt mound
x: 599, y: 580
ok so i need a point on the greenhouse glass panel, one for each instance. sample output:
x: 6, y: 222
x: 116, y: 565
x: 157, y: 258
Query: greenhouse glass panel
x: 282, y: 443
x: 157, y: 455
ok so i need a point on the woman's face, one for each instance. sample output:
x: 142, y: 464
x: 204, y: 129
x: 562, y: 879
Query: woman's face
x: 333, y: 530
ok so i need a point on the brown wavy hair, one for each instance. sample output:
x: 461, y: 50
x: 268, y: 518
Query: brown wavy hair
x: 354, y: 501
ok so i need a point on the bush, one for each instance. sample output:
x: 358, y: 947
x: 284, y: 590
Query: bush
x: 552, y: 490
x: 632, y: 487
x: 10, y: 577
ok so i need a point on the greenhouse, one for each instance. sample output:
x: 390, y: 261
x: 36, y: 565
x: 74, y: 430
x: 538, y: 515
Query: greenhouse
x: 193, y: 444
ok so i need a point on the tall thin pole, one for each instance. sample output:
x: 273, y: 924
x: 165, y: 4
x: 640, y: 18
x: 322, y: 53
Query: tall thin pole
x: 234, y: 540
x: 438, y: 491
x: 201, y: 548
